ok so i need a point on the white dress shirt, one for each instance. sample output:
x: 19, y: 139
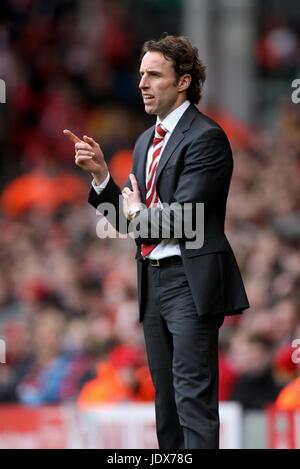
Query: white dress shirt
x: 167, y: 247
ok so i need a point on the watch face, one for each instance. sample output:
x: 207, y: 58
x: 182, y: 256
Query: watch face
x: 130, y: 214
x: 133, y: 213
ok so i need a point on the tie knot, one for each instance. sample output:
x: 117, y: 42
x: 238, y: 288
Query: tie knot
x: 160, y: 132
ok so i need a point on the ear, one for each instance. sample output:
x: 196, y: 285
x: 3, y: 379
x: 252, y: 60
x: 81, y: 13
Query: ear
x: 184, y: 82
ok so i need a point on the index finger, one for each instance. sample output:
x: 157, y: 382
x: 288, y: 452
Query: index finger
x: 134, y: 183
x: 72, y: 136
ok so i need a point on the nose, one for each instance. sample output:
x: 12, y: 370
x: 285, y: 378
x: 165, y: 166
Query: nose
x: 143, y: 83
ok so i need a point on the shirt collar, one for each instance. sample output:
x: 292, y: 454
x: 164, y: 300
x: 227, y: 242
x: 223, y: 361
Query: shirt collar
x: 172, y: 119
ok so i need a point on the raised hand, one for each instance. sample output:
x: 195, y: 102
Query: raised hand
x: 88, y: 156
x: 131, y: 198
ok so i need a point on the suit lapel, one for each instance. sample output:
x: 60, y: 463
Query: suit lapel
x: 177, y: 136
x: 142, y: 158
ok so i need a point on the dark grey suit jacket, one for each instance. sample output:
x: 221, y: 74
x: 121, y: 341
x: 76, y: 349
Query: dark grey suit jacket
x: 195, y: 167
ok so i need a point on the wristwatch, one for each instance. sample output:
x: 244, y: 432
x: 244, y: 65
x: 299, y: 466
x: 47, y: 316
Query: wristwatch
x: 133, y: 211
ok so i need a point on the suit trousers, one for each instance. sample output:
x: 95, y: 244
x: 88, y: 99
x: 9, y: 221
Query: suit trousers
x: 182, y: 350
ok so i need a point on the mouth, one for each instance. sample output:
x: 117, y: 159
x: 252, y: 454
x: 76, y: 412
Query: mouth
x: 148, y: 98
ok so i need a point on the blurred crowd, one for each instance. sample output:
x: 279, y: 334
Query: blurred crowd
x: 68, y: 305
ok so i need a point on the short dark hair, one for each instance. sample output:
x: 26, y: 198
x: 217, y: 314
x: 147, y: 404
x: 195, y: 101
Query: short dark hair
x: 185, y: 58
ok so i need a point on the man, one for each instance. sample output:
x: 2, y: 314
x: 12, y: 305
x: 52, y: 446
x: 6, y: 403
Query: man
x: 184, y: 292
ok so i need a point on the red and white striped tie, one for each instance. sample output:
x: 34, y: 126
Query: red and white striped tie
x: 151, y: 196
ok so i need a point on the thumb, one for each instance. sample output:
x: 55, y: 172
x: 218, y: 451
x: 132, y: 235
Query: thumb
x: 89, y: 140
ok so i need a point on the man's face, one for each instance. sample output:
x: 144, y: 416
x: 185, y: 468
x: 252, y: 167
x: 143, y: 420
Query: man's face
x: 161, y: 91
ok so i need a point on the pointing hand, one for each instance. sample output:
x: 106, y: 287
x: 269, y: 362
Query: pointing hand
x: 88, y: 156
